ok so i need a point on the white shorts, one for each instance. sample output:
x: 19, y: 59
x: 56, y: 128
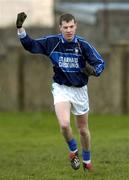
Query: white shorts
x: 78, y: 97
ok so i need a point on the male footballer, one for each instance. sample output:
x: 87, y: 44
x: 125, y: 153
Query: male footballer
x: 74, y: 60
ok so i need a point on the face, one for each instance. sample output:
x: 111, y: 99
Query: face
x: 68, y: 29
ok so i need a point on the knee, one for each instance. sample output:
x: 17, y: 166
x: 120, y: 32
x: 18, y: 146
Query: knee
x: 65, y: 126
x: 84, y: 132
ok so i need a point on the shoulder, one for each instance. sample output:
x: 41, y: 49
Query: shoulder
x: 83, y: 42
x: 49, y: 38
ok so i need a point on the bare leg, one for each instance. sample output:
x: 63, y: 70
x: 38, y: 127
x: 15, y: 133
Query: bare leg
x: 62, y: 110
x: 82, y: 125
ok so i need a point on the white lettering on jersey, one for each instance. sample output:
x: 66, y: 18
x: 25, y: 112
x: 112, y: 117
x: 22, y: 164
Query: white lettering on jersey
x: 68, y: 62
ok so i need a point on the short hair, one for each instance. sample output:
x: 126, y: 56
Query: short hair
x: 66, y: 17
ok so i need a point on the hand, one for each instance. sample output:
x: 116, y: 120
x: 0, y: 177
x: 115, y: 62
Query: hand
x: 89, y: 70
x: 20, y: 19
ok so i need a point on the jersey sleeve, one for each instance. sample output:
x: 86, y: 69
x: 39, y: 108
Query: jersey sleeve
x: 35, y: 46
x: 93, y: 58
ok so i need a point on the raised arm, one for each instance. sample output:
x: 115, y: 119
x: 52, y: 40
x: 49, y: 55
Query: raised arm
x: 36, y: 46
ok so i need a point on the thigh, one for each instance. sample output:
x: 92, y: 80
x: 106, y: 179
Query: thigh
x: 82, y: 120
x: 62, y: 110
x: 59, y: 93
x: 80, y: 101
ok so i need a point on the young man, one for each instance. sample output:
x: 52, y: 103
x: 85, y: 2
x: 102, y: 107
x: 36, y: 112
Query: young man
x: 73, y: 59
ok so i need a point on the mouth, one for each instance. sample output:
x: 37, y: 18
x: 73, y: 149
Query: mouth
x: 69, y: 34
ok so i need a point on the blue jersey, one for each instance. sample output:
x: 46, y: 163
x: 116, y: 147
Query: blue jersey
x: 68, y: 58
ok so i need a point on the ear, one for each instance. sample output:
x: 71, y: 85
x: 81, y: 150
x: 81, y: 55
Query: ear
x: 75, y: 25
x: 60, y: 28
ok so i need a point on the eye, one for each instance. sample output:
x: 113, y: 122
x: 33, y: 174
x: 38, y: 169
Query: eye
x: 65, y: 27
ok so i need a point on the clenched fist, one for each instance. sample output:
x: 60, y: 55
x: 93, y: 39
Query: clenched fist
x: 20, y: 19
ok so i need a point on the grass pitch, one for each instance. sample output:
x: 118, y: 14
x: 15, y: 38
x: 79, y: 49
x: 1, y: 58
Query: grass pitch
x: 32, y: 148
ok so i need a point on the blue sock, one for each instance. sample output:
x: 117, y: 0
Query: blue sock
x: 72, y: 145
x: 86, y: 155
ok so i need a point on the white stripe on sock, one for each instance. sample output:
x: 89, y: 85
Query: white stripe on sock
x: 74, y: 151
x: 87, y: 162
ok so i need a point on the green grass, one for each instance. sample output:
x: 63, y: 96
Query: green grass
x: 31, y: 148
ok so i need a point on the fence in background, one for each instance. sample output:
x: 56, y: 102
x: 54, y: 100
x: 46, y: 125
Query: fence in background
x: 25, y: 81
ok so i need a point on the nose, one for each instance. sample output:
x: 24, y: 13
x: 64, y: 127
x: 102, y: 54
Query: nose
x: 68, y: 29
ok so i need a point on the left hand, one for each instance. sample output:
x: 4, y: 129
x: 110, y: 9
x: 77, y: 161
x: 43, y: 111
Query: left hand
x: 89, y: 70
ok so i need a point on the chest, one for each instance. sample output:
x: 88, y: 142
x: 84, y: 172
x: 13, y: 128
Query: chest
x: 68, y: 56
x: 69, y: 51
